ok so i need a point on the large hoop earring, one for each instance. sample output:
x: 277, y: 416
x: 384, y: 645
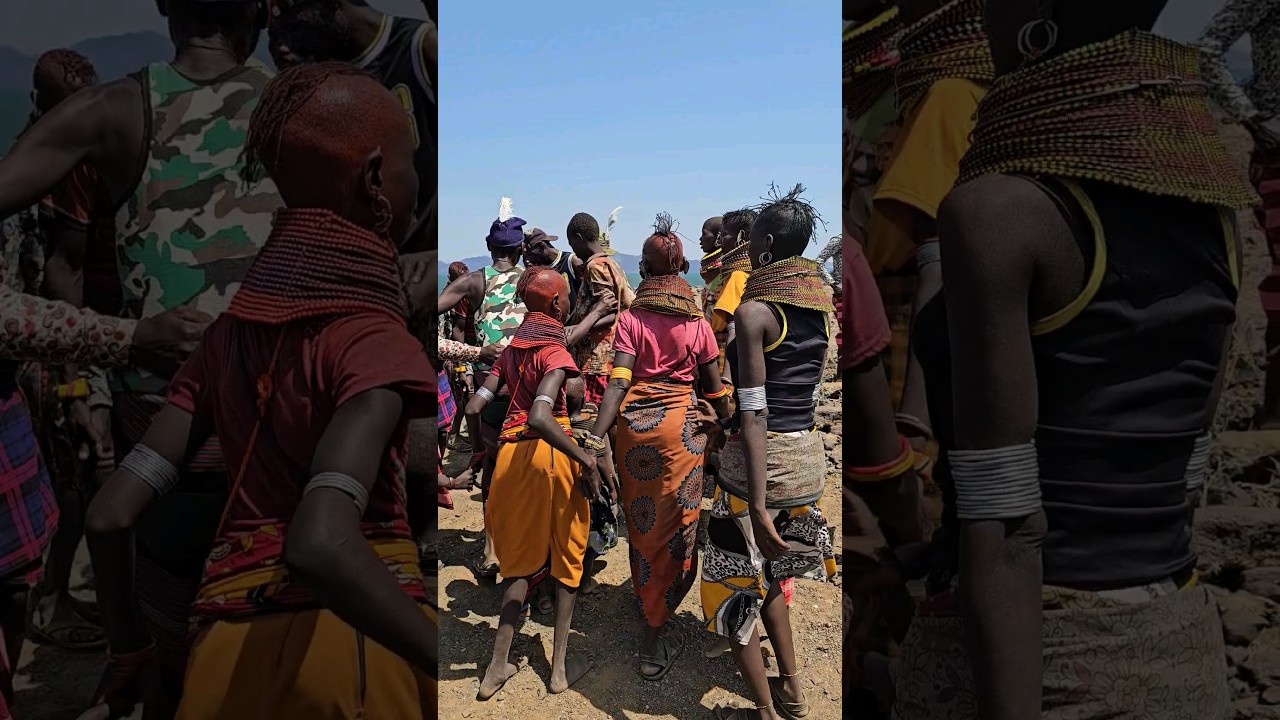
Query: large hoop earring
x: 382, y: 215
x: 1027, y: 39
x: 766, y: 257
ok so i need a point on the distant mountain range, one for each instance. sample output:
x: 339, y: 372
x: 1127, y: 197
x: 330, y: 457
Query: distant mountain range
x: 630, y: 264
x: 113, y: 57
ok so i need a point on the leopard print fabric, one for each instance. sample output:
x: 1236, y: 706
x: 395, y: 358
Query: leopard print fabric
x: 1260, y: 20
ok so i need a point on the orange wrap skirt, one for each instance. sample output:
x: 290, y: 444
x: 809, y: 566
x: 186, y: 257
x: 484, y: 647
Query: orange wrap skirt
x: 304, y: 665
x: 660, y: 461
x: 536, y: 513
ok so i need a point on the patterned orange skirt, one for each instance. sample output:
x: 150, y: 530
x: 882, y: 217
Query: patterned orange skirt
x: 660, y: 461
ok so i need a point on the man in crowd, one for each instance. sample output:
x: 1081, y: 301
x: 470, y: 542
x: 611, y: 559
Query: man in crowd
x: 166, y: 144
x: 401, y: 52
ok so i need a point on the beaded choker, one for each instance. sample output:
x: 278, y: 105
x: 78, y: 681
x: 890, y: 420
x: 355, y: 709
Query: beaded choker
x: 667, y: 295
x: 870, y: 52
x: 791, y: 281
x: 1130, y: 111
x: 950, y: 42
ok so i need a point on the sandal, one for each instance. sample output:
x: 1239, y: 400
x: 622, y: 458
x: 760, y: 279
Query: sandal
x: 482, y: 571
x: 78, y: 635
x: 664, y: 662
x: 787, y: 709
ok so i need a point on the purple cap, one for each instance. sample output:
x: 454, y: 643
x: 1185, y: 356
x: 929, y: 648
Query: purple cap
x: 506, y: 233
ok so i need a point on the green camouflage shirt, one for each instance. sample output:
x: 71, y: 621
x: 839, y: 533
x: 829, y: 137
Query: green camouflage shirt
x: 192, y: 228
x: 500, y: 313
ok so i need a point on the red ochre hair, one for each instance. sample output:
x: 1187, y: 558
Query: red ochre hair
x: 538, y: 286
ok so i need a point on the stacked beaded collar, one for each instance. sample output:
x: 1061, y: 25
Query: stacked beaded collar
x: 870, y: 53
x: 950, y: 42
x: 1130, y: 111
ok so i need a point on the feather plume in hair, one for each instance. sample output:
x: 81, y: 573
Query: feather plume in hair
x: 505, y: 212
x: 606, y: 233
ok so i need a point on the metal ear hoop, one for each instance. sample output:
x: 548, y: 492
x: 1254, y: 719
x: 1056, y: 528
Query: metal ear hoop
x: 383, y: 216
x: 766, y: 257
x: 1026, y: 38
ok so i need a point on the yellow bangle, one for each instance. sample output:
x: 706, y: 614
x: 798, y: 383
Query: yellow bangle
x: 620, y: 373
x: 724, y: 390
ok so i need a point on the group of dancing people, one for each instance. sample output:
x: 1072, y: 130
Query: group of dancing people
x: 231, y: 374
x: 589, y: 395
x: 1040, y: 209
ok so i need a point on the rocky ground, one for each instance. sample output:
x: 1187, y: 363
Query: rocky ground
x: 1238, y: 530
x: 604, y: 628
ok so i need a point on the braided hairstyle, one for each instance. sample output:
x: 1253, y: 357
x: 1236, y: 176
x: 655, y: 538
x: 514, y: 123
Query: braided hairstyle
x: 58, y: 74
x: 790, y: 219
x: 736, y: 221
x: 538, y: 287
x: 314, y: 131
x: 663, y: 252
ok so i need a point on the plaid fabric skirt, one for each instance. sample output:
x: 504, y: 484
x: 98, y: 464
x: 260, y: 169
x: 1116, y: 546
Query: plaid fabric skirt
x: 28, y: 510
x: 448, y: 406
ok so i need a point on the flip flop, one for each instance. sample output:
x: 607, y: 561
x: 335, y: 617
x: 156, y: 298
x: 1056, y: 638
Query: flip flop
x: 665, y: 662
x: 482, y: 571
x: 75, y: 637
x: 785, y: 708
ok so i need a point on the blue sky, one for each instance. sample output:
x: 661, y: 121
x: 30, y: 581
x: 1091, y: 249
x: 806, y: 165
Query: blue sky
x: 687, y: 108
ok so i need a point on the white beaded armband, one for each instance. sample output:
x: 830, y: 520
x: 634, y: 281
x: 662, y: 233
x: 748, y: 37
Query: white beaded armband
x: 996, y: 484
x: 752, y: 398
x: 485, y: 393
x: 342, y: 483
x: 159, y: 474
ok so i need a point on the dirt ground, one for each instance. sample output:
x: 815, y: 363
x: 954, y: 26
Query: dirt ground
x: 605, y: 627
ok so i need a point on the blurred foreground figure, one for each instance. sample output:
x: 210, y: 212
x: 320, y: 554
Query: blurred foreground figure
x: 312, y: 597
x: 1073, y: 359
x: 1256, y: 106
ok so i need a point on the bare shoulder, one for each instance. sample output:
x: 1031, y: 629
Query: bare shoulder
x: 752, y: 313
x: 998, y: 223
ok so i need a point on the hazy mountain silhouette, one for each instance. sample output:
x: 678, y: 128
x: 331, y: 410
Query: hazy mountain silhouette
x: 114, y: 57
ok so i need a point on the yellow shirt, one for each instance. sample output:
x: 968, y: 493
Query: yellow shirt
x: 922, y: 169
x: 727, y: 301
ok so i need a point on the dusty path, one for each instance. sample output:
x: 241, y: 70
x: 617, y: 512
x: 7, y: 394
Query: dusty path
x: 605, y: 627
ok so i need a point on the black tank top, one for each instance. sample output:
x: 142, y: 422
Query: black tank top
x: 397, y: 60
x: 792, y: 366
x: 1124, y: 375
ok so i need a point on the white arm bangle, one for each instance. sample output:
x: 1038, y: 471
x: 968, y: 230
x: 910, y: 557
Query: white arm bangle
x: 546, y: 399
x: 485, y: 393
x: 1196, y: 465
x: 930, y: 252
x: 752, y: 398
x: 996, y: 484
x: 151, y: 468
x: 342, y: 483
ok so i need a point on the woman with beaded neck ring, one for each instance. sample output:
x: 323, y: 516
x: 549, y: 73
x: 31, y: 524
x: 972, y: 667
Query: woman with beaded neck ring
x: 312, y: 596
x: 766, y: 525
x: 663, y: 347
x: 1073, y: 362
x: 538, y: 512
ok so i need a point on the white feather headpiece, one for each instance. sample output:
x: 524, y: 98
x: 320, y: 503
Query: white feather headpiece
x: 504, y: 210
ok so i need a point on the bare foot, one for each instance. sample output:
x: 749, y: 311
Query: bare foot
x: 494, y: 679
x: 575, y: 666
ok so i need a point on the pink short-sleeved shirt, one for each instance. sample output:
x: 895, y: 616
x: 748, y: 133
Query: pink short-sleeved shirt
x: 665, y: 345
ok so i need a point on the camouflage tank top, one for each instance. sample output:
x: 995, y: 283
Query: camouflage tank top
x: 500, y: 313
x: 192, y: 227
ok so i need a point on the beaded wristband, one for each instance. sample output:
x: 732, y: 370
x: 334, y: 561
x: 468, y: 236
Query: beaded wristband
x: 724, y: 390
x: 892, y: 469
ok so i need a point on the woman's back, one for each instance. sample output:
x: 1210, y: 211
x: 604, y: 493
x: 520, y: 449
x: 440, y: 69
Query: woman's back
x: 664, y: 345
